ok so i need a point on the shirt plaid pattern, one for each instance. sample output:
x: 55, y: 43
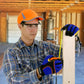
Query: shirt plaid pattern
x: 20, y: 62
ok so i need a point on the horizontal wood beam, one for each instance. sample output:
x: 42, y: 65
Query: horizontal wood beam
x: 42, y: 4
x: 40, y: 9
x: 18, y: 5
x: 47, y: 2
x: 20, y: 1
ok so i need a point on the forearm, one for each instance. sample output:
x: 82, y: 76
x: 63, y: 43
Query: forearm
x: 25, y: 78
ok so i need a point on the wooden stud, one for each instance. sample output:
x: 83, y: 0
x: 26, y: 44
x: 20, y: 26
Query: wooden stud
x: 69, y: 59
x: 3, y: 27
x: 60, y: 25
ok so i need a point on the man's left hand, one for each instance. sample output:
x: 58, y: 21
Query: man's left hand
x: 70, y: 29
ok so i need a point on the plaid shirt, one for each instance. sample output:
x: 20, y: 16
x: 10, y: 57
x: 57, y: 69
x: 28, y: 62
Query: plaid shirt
x: 20, y: 62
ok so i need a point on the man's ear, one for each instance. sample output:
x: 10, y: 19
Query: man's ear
x: 20, y: 26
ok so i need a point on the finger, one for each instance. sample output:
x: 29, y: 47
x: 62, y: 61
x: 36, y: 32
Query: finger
x: 76, y: 30
x: 73, y: 28
x: 57, y: 69
x: 46, y: 59
x: 69, y: 29
x: 58, y: 65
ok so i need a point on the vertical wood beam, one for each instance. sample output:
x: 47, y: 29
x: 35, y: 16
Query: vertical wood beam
x: 3, y: 27
x: 82, y: 28
x: 60, y: 25
x: 56, y: 27
x: 45, y: 27
x: 66, y: 18
x: 69, y: 59
x: 76, y: 19
x: 71, y: 19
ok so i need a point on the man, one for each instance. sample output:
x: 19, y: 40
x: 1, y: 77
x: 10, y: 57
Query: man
x: 30, y: 61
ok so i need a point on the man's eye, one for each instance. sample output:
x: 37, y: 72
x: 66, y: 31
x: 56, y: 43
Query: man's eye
x: 29, y: 25
x: 36, y: 25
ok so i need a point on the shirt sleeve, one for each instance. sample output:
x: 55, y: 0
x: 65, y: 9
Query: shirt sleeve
x: 13, y: 72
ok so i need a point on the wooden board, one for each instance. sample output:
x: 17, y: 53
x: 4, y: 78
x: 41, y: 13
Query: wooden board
x: 69, y: 59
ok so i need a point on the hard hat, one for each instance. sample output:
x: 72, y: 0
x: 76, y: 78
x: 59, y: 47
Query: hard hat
x: 28, y: 15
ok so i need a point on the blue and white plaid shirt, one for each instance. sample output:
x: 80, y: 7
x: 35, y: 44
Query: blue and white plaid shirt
x: 20, y: 62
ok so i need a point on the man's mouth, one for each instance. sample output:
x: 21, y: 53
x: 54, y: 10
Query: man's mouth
x: 33, y: 34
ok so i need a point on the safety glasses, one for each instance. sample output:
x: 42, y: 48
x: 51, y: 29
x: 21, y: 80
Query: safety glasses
x: 31, y: 25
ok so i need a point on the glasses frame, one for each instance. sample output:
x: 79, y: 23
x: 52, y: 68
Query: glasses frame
x: 35, y: 25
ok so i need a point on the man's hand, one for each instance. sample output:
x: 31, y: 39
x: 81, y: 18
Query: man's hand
x: 50, y: 67
x: 70, y: 29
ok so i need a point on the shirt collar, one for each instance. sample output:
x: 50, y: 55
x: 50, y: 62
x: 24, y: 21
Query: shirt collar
x: 21, y: 44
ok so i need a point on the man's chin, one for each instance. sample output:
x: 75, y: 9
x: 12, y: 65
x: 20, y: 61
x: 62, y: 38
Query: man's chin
x: 32, y: 38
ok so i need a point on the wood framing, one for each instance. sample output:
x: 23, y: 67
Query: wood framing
x: 3, y: 27
x: 82, y: 28
x: 18, y: 5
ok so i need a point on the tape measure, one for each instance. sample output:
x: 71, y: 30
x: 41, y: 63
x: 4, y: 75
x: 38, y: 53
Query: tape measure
x: 60, y: 44
x: 53, y: 58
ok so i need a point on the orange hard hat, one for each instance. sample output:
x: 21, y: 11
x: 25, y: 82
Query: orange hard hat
x: 28, y: 15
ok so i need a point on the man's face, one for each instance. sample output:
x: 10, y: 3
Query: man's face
x: 29, y: 29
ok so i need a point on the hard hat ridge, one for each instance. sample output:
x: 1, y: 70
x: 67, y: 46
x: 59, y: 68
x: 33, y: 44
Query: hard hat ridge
x: 23, y: 16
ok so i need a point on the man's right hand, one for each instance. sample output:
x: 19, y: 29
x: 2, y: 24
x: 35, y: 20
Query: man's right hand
x: 51, y: 67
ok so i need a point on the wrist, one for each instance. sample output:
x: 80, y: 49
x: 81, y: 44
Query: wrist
x: 40, y: 70
x: 38, y: 75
